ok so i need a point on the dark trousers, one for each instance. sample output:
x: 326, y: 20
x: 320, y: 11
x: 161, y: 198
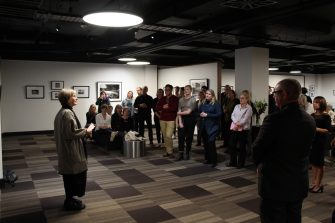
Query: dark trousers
x: 210, y: 148
x: 280, y: 211
x: 198, y: 133
x: 226, y: 132
x: 75, y: 184
x: 158, y: 130
x: 102, y: 137
x: 237, y: 147
x: 186, y: 133
x: 147, y: 119
x: 136, y: 122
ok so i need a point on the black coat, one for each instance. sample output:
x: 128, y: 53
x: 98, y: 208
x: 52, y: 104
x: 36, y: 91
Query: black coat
x: 281, y: 151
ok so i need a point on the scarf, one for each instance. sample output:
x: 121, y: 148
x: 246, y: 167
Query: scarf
x: 75, y: 116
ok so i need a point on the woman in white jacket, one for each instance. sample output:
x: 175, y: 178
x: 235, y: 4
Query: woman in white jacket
x: 239, y: 130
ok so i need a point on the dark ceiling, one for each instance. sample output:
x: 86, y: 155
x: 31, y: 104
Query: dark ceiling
x: 299, y: 33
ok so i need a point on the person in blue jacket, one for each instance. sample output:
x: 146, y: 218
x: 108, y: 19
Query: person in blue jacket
x: 210, y: 112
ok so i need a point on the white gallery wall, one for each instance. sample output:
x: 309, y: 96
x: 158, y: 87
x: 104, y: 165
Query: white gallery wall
x: 180, y: 76
x: 20, y: 114
x: 327, y: 88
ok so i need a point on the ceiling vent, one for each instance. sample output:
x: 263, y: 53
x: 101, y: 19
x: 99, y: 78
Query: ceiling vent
x: 246, y: 4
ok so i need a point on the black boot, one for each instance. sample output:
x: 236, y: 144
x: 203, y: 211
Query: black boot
x: 181, y: 156
x: 213, y: 154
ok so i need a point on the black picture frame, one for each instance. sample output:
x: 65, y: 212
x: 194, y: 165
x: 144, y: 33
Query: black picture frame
x: 54, y: 95
x: 57, y: 85
x: 113, y: 90
x: 82, y: 91
x: 196, y: 85
x: 34, y: 92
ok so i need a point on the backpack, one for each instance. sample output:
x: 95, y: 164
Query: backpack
x: 10, y: 177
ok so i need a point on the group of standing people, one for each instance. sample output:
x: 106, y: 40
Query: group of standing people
x: 289, y: 140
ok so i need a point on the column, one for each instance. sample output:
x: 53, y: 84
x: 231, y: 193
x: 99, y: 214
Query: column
x: 251, y: 73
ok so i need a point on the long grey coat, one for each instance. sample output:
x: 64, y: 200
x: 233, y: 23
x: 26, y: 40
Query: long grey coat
x: 71, y: 155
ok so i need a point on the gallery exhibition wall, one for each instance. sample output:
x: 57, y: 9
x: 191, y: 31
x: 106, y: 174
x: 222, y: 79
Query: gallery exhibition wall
x: 20, y: 114
x: 181, y: 76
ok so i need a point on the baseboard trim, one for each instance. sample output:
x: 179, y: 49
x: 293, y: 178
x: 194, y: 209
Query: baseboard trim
x: 6, y: 134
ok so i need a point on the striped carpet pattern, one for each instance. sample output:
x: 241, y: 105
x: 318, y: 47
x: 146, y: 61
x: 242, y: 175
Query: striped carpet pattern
x: 144, y: 190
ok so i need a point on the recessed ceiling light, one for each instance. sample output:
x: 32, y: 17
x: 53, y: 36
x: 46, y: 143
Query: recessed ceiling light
x: 127, y: 59
x: 273, y: 68
x: 113, y: 19
x: 138, y: 63
x: 295, y: 72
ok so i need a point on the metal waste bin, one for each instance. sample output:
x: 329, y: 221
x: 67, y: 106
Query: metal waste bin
x: 134, y: 148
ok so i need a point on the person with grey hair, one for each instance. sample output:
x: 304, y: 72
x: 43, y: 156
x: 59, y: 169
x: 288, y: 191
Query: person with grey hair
x: 281, y: 153
x: 72, y: 157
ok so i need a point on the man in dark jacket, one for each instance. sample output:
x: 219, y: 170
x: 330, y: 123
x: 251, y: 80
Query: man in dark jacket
x: 281, y: 152
x: 143, y: 103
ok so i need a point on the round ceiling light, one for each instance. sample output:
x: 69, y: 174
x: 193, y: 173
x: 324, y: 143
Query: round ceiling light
x: 126, y: 59
x: 138, y: 63
x: 112, y: 19
x: 295, y: 72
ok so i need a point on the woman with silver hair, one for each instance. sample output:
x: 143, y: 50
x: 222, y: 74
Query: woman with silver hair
x: 72, y: 157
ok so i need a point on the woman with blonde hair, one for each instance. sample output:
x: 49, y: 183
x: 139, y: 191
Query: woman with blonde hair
x: 90, y: 115
x: 210, y: 112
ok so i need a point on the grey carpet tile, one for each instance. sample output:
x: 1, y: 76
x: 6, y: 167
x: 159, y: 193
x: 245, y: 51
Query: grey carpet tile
x: 92, y: 185
x: 9, y: 151
x: 25, y: 138
x: 193, y: 171
x: 53, y: 158
x: 133, y: 176
x: 15, y: 166
x: 251, y: 205
x: 190, y: 192
x: 159, y: 162
x: 55, y: 202
x: 122, y: 192
x: 111, y: 162
x: 150, y: 215
x: 28, y: 143
x: 6, y: 158
x: 237, y: 182
x: 44, y: 175
x: 19, y: 186
x: 147, y: 189
x: 36, y: 217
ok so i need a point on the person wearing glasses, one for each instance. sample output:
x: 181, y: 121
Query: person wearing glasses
x: 281, y: 152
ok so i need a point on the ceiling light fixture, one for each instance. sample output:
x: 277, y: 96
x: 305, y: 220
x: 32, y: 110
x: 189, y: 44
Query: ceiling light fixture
x: 113, y: 19
x: 295, y: 72
x: 126, y: 59
x: 273, y: 68
x: 138, y: 63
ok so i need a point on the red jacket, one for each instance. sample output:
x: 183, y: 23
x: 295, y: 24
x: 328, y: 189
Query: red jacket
x: 170, y: 113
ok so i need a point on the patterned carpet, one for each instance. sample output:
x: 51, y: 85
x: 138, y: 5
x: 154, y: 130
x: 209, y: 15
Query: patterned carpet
x: 144, y: 190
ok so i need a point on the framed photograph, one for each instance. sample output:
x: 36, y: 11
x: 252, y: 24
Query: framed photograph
x: 34, y: 92
x: 82, y: 91
x: 333, y: 92
x: 57, y: 85
x: 54, y: 95
x: 197, y: 84
x: 112, y: 89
